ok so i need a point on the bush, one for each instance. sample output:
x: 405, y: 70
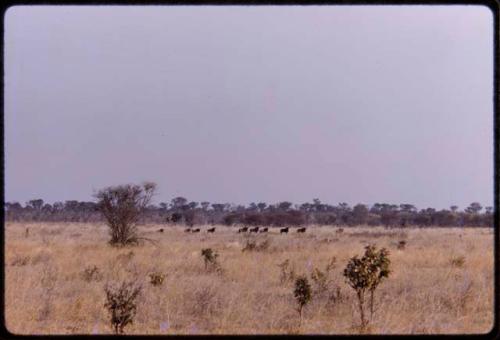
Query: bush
x: 458, y: 261
x: 206, y: 302
x: 321, y: 278
x: 91, y: 273
x: 252, y: 245
x: 124, y: 258
x: 402, y: 245
x: 20, y: 261
x: 302, y: 294
x: 210, y: 258
x: 122, y: 206
x: 121, y: 304
x: 156, y: 278
x: 365, y: 274
x: 287, y: 272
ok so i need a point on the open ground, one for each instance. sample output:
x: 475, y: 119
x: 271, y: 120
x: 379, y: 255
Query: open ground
x: 441, y: 280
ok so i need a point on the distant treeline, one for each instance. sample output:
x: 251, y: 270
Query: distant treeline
x: 181, y: 211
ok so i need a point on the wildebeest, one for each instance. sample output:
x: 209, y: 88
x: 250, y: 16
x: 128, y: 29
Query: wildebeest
x: 254, y: 230
x: 301, y: 230
x: 197, y: 230
x: 160, y: 230
x: 188, y: 230
x: 263, y: 230
x: 211, y: 230
x: 284, y: 230
x: 340, y: 230
x: 243, y: 230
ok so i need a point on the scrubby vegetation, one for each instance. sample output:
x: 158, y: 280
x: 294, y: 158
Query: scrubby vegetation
x: 56, y: 281
x: 121, y: 304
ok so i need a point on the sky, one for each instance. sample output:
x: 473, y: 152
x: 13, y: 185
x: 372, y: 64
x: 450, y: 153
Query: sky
x: 240, y: 104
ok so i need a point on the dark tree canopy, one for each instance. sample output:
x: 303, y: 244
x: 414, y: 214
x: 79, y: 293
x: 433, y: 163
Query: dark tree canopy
x: 182, y: 211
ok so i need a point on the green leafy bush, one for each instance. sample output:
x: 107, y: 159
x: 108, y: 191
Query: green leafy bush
x: 365, y: 274
x: 302, y: 293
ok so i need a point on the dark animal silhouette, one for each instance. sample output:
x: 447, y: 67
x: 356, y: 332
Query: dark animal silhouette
x: 211, y: 230
x: 160, y: 230
x: 254, y: 230
x: 197, y: 230
x: 263, y: 230
x: 284, y: 230
x: 301, y: 230
x: 243, y: 230
x: 340, y: 230
x: 188, y: 230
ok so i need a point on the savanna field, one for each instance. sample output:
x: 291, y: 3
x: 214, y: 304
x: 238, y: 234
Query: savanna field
x: 441, y: 280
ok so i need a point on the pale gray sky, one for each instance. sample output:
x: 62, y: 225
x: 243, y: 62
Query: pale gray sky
x: 240, y: 104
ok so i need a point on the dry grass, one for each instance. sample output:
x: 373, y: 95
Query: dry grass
x: 441, y: 283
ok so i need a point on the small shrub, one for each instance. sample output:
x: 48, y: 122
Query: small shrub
x: 41, y: 257
x: 205, y: 302
x: 264, y: 245
x: 210, y: 258
x: 302, y: 294
x: 125, y: 257
x: 121, y: 304
x: 365, y: 274
x: 156, y: 278
x: 334, y: 296
x: 287, y: 272
x: 27, y: 232
x: 458, y: 261
x: 321, y: 278
x: 91, y: 273
x: 465, y: 293
x: 20, y: 261
x: 48, y: 284
x: 252, y: 245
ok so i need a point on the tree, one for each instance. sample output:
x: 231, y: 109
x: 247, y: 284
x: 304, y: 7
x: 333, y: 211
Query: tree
x: 205, y: 205
x: 122, y: 206
x: 35, y: 204
x: 178, y: 202
x: 285, y: 206
x: 474, y: 208
x: 262, y: 206
x: 193, y: 205
x: 360, y: 214
x: 218, y: 207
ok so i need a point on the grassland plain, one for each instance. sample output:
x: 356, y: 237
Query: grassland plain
x: 442, y: 280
